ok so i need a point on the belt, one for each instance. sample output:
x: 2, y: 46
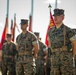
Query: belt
x: 40, y: 57
x: 24, y: 53
x: 64, y: 48
x: 8, y: 56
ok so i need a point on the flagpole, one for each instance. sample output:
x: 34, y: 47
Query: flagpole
x: 7, y: 8
x: 49, y: 7
x: 32, y: 5
x: 56, y: 3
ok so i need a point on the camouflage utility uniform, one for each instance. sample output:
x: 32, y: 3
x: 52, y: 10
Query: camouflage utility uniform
x: 25, y: 58
x: 61, y: 59
x: 48, y: 64
x: 40, y: 59
x: 8, y: 58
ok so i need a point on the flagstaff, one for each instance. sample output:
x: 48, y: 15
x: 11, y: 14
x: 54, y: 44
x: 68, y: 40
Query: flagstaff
x: 31, y: 16
x: 7, y: 8
x: 32, y: 5
x: 50, y: 7
x: 56, y: 3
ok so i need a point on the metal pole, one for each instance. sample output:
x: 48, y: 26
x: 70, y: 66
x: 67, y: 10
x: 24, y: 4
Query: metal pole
x: 56, y: 3
x: 49, y: 7
x: 7, y: 8
x: 32, y: 3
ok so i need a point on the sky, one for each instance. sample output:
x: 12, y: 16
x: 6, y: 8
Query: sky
x: 41, y: 16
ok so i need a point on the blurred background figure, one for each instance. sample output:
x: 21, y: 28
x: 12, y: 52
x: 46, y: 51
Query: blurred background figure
x: 41, y: 57
x: 8, y: 56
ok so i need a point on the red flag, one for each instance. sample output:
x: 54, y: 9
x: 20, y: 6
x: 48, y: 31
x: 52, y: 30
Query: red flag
x: 50, y: 26
x: 5, y: 31
x: 30, y: 23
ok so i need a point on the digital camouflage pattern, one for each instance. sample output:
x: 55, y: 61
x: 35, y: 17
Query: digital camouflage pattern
x: 40, y: 60
x: 8, y: 58
x: 48, y: 64
x: 24, y: 64
x: 61, y: 60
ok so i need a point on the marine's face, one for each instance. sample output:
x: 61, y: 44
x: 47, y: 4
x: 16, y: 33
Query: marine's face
x: 9, y: 39
x: 58, y: 19
x: 24, y: 26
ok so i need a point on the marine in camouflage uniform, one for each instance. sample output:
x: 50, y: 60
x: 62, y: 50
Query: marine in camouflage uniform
x: 62, y: 41
x: 8, y: 57
x: 41, y: 58
x: 1, y: 57
x: 26, y: 42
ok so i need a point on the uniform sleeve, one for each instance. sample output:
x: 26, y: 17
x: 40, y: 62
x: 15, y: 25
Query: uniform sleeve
x: 15, y: 51
x: 34, y: 39
x: 3, y: 51
x: 44, y: 48
x: 17, y: 40
x: 3, y: 47
x: 71, y: 35
x: 73, y: 38
x: 48, y: 33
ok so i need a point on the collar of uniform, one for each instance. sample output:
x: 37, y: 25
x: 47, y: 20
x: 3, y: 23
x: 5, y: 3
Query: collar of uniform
x: 24, y: 34
x: 60, y: 27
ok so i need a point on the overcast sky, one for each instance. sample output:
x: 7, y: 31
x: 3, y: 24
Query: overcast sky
x: 41, y: 16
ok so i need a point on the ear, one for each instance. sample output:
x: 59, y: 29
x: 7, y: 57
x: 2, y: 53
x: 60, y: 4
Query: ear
x: 62, y: 17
